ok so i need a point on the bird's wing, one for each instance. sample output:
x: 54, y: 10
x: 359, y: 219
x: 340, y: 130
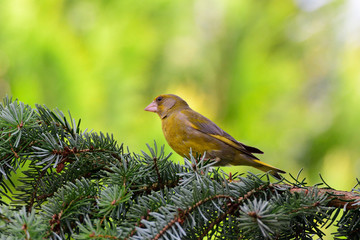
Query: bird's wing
x: 204, y: 125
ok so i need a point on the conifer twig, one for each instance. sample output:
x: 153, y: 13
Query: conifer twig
x: 337, y: 198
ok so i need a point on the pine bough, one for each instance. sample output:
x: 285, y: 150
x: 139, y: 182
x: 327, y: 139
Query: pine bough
x: 77, y: 184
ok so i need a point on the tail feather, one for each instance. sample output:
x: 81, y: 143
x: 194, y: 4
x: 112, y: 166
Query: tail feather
x: 268, y: 168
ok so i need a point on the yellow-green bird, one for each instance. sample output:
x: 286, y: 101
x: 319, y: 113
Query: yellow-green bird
x: 185, y: 129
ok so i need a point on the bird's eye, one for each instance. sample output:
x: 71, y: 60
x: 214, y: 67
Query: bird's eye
x: 159, y: 99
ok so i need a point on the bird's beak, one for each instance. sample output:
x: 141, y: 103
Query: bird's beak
x: 152, y: 107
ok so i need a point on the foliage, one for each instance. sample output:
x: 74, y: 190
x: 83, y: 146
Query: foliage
x: 279, y: 75
x: 83, y: 185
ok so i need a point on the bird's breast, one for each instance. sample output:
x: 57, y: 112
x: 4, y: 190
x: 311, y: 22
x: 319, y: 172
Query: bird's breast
x: 182, y: 137
x: 175, y: 134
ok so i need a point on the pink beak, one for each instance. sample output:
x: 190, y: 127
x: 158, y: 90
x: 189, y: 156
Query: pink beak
x: 152, y: 107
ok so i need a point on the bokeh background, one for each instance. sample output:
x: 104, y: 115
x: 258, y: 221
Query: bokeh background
x: 283, y: 76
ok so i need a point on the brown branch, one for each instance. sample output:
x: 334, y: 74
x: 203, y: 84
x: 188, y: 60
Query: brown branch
x: 70, y: 151
x: 338, y: 198
x: 12, y: 148
x: 92, y: 235
x: 33, y: 195
x: 44, y: 196
x: 250, y: 193
x: 25, y: 229
x: 157, y: 171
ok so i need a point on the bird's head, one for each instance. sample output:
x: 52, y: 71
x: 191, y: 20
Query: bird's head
x: 165, y: 104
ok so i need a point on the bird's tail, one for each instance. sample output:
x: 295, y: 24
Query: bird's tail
x: 268, y: 168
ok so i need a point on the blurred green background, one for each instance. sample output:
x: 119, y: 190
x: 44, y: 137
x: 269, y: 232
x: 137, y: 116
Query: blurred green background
x: 283, y: 76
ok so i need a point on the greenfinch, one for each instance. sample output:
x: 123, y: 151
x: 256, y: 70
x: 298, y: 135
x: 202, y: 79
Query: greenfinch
x: 185, y: 129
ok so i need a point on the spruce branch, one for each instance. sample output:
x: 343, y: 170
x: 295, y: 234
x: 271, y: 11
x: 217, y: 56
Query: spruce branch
x: 84, y: 185
x: 338, y: 198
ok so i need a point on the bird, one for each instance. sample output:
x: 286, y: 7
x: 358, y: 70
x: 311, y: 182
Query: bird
x: 187, y: 131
